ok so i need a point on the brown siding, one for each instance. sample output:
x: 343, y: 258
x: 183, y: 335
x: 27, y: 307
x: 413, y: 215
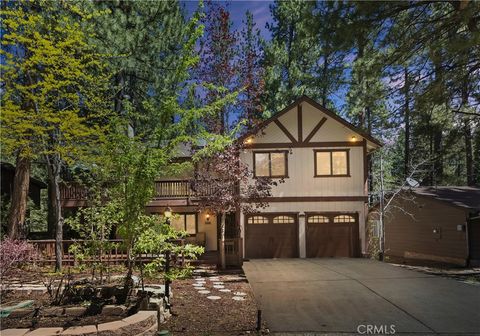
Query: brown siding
x: 414, y: 237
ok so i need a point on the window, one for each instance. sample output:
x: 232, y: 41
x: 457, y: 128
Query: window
x: 283, y: 220
x: 343, y: 219
x: 257, y: 220
x: 317, y: 219
x: 270, y: 164
x: 185, y: 222
x: 332, y: 163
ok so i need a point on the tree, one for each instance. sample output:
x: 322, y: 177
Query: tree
x: 291, y: 54
x: 217, y: 64
x: 224, y: 183
x: 250, y: 72
x: 53, y: 95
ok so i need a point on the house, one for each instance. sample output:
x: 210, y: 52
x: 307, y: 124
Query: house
x: 319, y: 210
x: 435, y: 224
x: 8, y: 174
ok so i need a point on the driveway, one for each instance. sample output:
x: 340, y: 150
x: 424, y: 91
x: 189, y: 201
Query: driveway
x: 357, y: 295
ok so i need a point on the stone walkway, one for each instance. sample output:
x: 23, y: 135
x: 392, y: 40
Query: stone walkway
x: 215, y: 286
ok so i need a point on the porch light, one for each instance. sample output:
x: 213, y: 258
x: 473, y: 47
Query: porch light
x: 354, y: 138
x: 248, y: 141
x: 207, y: 218
x: 168, y: 213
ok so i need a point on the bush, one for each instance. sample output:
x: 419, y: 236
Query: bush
x: 14, y: 254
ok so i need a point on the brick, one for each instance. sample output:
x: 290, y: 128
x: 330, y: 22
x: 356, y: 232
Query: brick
x: 14, y: 332
x: 112, y: 310
x: 75, y: 311
x: 45, y: 332
x: 22, y: 312
x: 116, y: 328
x: 88, y: 330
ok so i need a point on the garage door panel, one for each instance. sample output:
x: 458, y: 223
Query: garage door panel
x: 271, y: 240
x: 331, y: 238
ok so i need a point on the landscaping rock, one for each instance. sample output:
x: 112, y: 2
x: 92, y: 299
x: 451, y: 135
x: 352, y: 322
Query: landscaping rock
x: 52, y: 311
x: 22, y: 312
x: 14, y: 332
x: 75, y: 311
x: 238, y: 298
x: 88, y: 330
x: 213, y: 297
x: 204, y: 292
x: 45, y: 332
x: 140, y: 321
x: 116, y: 328
x: 113, y: 310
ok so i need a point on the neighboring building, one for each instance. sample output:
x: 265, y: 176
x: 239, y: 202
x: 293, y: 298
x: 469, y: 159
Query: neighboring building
x: 320, y: 209
x: 435, y: 224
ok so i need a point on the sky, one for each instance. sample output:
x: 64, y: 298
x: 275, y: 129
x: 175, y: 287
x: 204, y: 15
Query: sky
x: 260, y: 11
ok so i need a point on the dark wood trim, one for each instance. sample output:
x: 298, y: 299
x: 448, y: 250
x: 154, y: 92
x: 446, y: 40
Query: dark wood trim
x: 299, y: 123
x: 315, y: 151
x: 315, y: 129
x: 304, y: 144
x: 310, y: 101
x: 311, y: 199
x: 285, y: 130
x: 270, y: 163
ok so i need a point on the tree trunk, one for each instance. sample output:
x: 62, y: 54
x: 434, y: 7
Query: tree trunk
x: 55, y: 206
x: 18, y: 202
x: 467, y: 133
x: 406, y: 158
x: 223, y: 261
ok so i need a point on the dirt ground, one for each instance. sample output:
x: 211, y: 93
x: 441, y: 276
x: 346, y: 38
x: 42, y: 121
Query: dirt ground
x: 195, y: 314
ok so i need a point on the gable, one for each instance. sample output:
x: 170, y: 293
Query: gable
x: 307, y: 124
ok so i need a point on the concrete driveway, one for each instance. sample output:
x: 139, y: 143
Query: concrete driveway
x: 358, y: 295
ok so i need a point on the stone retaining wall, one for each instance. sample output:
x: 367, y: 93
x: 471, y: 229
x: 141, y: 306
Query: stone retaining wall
x: 143, y: 323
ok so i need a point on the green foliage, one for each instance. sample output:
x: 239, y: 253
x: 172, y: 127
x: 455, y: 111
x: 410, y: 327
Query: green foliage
x: 156, y: 238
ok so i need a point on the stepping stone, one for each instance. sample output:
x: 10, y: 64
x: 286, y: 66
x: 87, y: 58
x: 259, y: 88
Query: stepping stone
x: 238, y: 298
x: 200, y: 288
x: 204, y: 291
x: 218, y: 286
x: 225, y: 290
x: 218, y: 283
x: 214, y: 279
x: 240, y: 294
x: 213, y: 297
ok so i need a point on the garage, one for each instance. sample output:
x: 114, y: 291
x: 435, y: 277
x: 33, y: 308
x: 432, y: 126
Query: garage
x: 272, y: 235
x: 331, y: 235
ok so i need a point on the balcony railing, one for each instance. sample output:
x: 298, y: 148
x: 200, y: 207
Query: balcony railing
x: 165, y: 189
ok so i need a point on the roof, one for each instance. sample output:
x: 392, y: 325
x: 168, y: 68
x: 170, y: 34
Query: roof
x: 312, y: 102
x: 463, y: 197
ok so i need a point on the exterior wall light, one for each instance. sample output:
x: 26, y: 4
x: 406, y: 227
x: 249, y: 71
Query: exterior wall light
x: 207, y: 218
x: 354, y: 138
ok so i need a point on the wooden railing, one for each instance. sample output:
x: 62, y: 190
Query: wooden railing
x: 74, y: 191
x: 233, y: 251
x: 182, y: 189
x: 116, y: 255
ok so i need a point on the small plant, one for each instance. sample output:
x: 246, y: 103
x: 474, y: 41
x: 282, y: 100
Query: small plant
x: 15, y: 254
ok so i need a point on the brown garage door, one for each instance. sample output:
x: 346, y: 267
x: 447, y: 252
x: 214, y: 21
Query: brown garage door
x: 332, y: 235
x: 271, y: 236
x: 474, y: 241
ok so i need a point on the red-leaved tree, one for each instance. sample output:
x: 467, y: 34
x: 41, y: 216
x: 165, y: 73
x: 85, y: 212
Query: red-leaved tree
x: 225, y: 184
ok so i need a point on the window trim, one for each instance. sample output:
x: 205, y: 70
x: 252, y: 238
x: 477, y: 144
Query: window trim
x: 315, y: 151
x: 270, y: 163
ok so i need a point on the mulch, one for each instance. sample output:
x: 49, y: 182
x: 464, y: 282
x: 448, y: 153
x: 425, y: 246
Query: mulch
x: 195, y: 314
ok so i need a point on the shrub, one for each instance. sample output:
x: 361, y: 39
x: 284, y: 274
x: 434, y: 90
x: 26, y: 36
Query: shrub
x: 14, y: 254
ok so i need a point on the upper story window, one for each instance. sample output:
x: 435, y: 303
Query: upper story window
x: 270, y: 164
x: 330, y: 162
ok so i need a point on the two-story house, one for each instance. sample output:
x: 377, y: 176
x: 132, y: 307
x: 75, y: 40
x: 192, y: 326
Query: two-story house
x: 319, y: 210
